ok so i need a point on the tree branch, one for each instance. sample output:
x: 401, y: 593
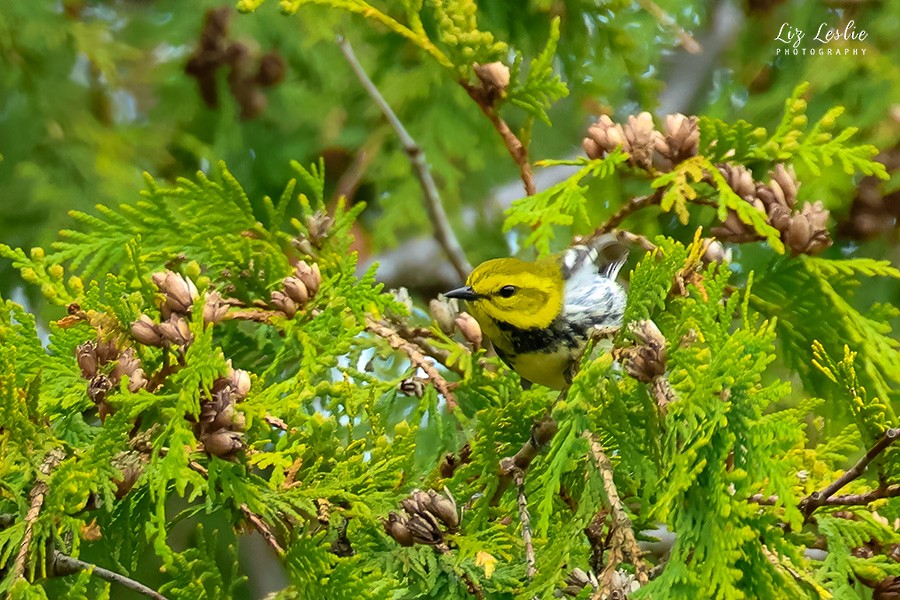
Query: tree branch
x: 809, y: 504
x: 442, y: 230
x: 67, y: 565
x: 525, y: 519
x: 623, y: 545
x: 514, y: 145
x: 38, y: 492
x: 541, y: 434
x: 415, y: 356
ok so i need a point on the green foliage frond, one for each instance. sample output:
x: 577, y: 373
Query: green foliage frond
x: 560, y: 205
x: 537, y: 90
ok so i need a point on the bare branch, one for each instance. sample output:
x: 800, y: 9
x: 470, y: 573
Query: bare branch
x: 67, y: 565
x: 525, y: 519
x: 809, y: 504
x: 442, y: 230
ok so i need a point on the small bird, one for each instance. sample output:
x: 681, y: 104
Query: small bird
x: 539, y: 315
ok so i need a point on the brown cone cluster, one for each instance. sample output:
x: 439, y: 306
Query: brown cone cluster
x: 875, y: 210
x: 246, y: 75
x: 219, y: 426
x: 647, y: 360
x: 803, y: 231
x: 646, y: 146
x: 428, y: 516
x: 178, y: 295
x: 297, y: 290
x: 103, y: 365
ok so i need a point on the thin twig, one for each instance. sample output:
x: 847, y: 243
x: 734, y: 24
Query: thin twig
x: 634, y: 205
x: 263, y: 529
x: 513, y: 144
x: 809, y: 504
x: 67, y: 565
x: 37, y: 495
x: 541, y: 434
x: 686, y: 40
x: 525, y: 519
x: 415, y: 356
x: 442, y: 230
x: 623, y: 545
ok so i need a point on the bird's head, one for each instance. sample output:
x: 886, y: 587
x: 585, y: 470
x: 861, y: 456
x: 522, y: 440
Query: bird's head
x: 509, y: 290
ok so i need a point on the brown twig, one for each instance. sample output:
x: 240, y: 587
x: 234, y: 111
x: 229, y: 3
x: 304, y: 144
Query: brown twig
x: 634, y: 205
x: 442, y: 230
x: 415, y: 356
x: 541, y: 434
x: 513, y: 144
x: 263, y: 529
x: 623, y: 545
x: 525, y: 519
x: 275, y: 422
x: 63, y: 564
x: 809, y: 504
x: 37, y: 495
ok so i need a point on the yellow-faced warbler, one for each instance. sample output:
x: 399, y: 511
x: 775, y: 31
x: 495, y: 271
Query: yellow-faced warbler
x: 539, y: 315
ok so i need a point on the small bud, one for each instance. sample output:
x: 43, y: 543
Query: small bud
x: 284, y: 303
x: 177, y: 331
x: 86, y: 355
x: 310, y: 276
x: 223, y: 443
x: 470, y: 329
x: 295, y: 290
x: 146, y: 332
x: 214, y: 308
x: 717, y: 253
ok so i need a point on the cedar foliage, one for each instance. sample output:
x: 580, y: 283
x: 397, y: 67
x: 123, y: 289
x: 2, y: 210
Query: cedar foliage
x: 781, y: 378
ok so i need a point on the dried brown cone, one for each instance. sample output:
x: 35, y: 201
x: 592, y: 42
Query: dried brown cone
x: 318, y: 226
x: 86, y: 355
x: 176, y: 330
x: 646, y: 361
x: 178, y: 291
x: 284, y: 303
x: 577, y: 580
x: 783, y: 182
x: 494, y: 78
x: 739, y: 179
x: 603, y: 137
x: 223, y: 443
x: 395, y: 526
x: 128, y: 364
x: 214, y: 308
x: 310, y: 276
x: 808, y: 231
x: 145, y: 331
x: 641, y: 139
x: 887, y: 589
x: 681, y: 140
x: 443, y: 506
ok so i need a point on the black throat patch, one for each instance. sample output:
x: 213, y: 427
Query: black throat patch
x: 559, y: 333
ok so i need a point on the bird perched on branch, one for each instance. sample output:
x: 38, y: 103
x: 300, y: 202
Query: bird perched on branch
x: 539, y: 315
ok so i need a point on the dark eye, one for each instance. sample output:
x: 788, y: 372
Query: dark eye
x: 507, y: 290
